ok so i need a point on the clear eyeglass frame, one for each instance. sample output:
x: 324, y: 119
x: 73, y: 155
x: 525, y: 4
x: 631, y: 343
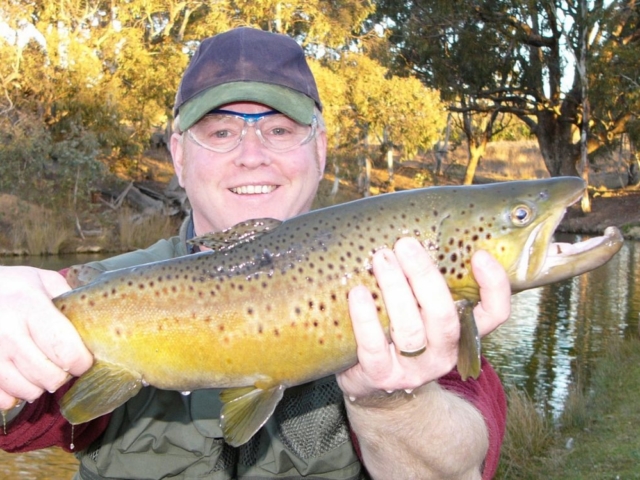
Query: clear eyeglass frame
x: 253, y: 119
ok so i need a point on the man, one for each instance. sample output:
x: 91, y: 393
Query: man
x: 250, y: 143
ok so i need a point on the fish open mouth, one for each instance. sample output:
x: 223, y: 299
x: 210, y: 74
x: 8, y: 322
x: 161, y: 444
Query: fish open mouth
x: 565, y: 260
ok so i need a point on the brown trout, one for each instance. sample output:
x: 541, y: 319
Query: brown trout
x: 267, y: 308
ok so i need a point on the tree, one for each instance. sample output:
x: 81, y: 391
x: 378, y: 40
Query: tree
x: 510, y: 56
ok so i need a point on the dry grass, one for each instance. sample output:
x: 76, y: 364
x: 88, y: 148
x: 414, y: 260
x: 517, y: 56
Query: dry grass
x: 41, y: 232
x: 140, y: 230
x: 529, y: 435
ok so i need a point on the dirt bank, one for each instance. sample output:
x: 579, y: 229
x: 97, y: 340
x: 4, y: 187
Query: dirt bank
x: 620, y: 208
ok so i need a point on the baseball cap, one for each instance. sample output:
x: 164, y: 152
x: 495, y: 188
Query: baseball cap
x: 247, y: 64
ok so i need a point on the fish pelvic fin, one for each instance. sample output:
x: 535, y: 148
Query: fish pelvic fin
x: 237, y: 235
x: 469, y: 348
x: 246, y: 410
x: 99, y: 391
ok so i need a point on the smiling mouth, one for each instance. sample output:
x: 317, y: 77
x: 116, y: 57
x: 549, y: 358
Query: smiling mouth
x: 253, y: 189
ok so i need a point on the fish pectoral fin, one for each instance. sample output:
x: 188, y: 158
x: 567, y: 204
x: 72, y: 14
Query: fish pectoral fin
x: 99, y: 391
x: 469, y: 347
x: 238, y: 234
x: 246, y: 410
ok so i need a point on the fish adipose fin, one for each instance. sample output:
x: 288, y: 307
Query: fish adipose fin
x: 246, y: 410
x: 237, y: 235
x: 469, y: 347
x: 99, y: 391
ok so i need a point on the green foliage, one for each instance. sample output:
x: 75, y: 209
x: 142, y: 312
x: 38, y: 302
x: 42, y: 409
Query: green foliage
x: 37, y: 167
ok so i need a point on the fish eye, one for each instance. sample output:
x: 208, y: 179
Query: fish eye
x: 521, y: 215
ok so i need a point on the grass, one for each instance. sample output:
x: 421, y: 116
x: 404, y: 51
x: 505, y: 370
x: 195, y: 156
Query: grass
x: 139, y: 230
x: 42, y: 232
x: 598, y: 436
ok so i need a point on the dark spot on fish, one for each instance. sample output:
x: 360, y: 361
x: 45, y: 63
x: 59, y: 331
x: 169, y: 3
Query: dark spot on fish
x: 321, y: 341
x: 141, y: 286
x: 488, y: 237
x: 83, y: 296
x: 435, y: 213
x: 298, y: 310
x: 475, y: 238
x: 333, y: 296
x: 336, y: 323
x: 105, y: 294
x: 118, y: 332
x: 459, y: 276
x: 174, y: 289
x: 454, y: 257
x: 322, y: 307
x: 293, y: 324
x: 260, y: 330
x: 113, y: 291
x: 315, y: 323
x: 310, y: 304
x: 276, y: 332
x: 63, y: 307
x: 441, y: 257
x: 443, y: 270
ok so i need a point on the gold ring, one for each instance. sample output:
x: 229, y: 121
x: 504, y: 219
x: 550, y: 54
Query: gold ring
x: 413, y: 353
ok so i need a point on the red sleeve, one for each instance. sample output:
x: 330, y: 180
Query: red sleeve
x: 487, y: 395
x: 40, y: 425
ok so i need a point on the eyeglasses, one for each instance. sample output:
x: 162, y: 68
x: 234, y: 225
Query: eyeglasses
x: 222, y: 130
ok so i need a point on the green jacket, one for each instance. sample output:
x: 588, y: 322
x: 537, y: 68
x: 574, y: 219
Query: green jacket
x: 165, y: 434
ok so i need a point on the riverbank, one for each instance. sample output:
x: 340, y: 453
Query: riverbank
x: 597, y: 436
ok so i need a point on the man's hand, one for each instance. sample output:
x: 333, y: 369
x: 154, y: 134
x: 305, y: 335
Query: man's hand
x: 422, y: 315
x: 39, y: 348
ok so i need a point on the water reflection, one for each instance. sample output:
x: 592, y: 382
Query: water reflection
x: 556, y: 332
x: 553, y: 337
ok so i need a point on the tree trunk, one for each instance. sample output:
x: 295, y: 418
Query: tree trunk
x: 555, y: 139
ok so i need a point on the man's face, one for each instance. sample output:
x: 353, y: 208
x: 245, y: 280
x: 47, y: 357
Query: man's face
x: 250, y: 181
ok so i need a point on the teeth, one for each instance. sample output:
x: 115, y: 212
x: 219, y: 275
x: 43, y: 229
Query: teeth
x: 253, y: 189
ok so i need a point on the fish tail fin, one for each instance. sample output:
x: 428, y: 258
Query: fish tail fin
x: 99, y: 391
x: 246, y: 410
x: 469, y: 348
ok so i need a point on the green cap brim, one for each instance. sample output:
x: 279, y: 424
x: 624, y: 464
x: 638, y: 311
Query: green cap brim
x: 293, y: 104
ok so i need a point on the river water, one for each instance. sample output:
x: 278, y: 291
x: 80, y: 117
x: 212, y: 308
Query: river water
x: 554, y: 335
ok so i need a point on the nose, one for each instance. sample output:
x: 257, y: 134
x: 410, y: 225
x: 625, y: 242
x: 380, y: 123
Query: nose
x: 251, y: 152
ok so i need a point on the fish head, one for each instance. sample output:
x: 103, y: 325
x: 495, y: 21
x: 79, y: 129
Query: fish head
x: 514, y: 221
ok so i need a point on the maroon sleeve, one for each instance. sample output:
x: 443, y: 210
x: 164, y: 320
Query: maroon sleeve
x: 487, y: 395
x: 40, y: 425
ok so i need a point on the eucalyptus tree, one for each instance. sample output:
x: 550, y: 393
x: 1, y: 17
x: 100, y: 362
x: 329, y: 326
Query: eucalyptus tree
x: 519, y: 57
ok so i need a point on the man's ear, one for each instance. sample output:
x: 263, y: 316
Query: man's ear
x: 321, y: 145
x: 177, y: 155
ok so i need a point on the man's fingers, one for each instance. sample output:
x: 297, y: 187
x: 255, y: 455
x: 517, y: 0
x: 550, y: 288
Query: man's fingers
x: 407, y: 327
x: 438, y: 313
x: 495, y: 292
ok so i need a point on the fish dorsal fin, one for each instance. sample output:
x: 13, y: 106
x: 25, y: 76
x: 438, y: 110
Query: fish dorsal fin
x: 246, y: 410
x: 99, y: 391
x: 238, y: 234
x: 469, y: 346
x: 81, y: 275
